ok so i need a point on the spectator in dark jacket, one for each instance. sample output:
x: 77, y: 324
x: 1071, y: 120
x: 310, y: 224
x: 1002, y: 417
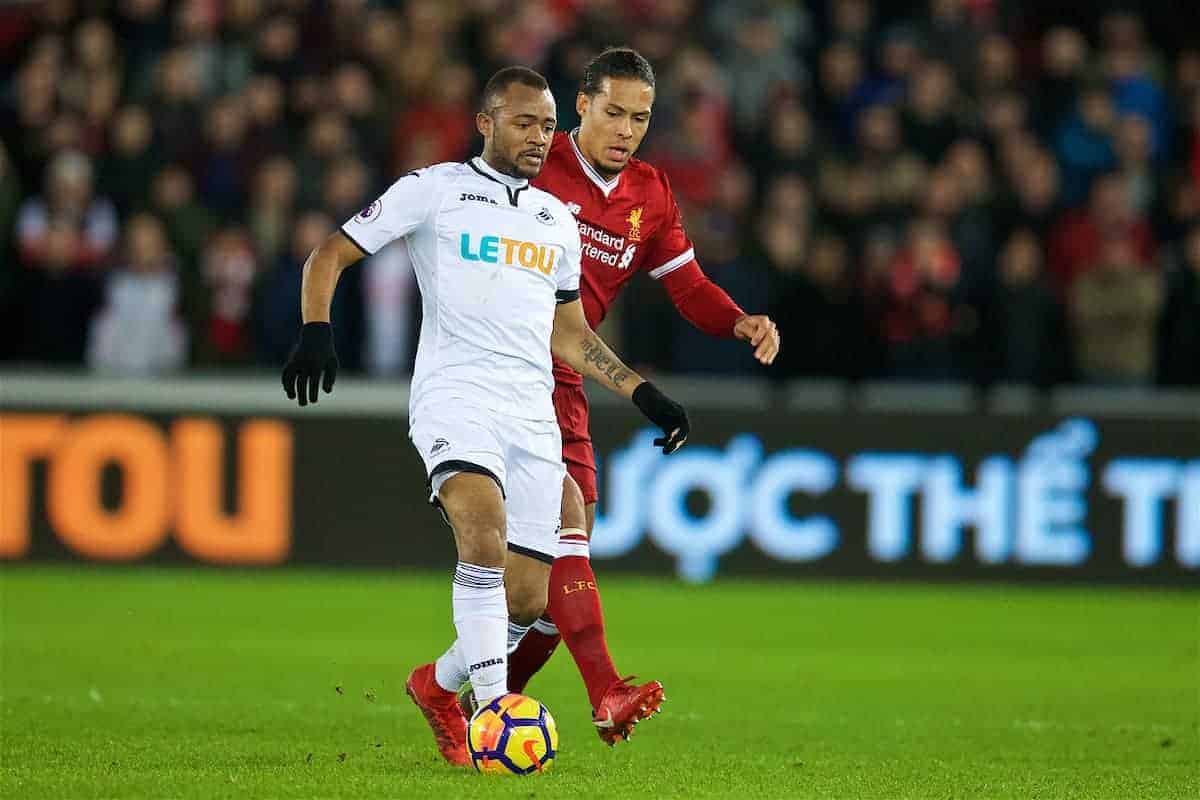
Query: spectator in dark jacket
x: 127, y: 171
x: 929, y: 117
x: 1083, y: 142
x: 1179, y: 326
x: 277, y: 300
x: 924, y: 312
x: 1025, y: 329
x: 56, y: 299
x: 817, y: 307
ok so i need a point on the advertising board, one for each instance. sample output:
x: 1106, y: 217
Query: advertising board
x: 804, y: 494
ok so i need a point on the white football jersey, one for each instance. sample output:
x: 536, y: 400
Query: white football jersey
x: 493, y: 256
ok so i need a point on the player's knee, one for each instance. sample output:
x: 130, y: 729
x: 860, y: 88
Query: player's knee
x: 526, y: 602
x: 480, y: 538
x: 481, y: 544
x: 475, y: 508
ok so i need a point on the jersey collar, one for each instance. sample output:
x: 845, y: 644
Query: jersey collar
x: 605, y: 186
x: 489, y: 171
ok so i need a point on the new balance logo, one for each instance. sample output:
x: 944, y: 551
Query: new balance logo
x: 604, y: 723
x: 438, y: 446
x: 491, y: 662
x: 574, y: 208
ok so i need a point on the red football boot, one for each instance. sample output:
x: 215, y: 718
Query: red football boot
x: 443, y: 714
x: 624, y: 706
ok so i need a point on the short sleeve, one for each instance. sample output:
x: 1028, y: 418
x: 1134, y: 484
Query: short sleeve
x: 394, y: 214
x: 567, y: 277
x: 670, y: 248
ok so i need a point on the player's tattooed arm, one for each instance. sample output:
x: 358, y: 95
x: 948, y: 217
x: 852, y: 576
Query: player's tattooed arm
x: 595, y: 352
x: 576, y: 343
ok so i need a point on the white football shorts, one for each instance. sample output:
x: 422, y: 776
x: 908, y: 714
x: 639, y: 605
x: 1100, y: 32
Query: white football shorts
x: 524, y: 457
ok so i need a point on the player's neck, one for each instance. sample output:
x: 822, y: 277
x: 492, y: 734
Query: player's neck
x: 497, y: 169
x: 581, y: 145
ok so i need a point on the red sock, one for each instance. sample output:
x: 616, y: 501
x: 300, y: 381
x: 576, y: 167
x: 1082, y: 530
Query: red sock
x: 574, y: 604
x: 535, y: 649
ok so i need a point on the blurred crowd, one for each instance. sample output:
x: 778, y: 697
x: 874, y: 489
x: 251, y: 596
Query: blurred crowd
x: 979, y: 190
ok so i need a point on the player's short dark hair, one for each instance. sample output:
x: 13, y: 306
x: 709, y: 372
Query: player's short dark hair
x: 616, y: 62
x: 505, y: 78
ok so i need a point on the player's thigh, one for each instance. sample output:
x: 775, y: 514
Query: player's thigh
x: 574, y: 510
x: 464, y: 457
x: 474, y: 507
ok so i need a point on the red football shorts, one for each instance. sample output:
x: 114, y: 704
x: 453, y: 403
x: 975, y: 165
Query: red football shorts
x: 571, y: 406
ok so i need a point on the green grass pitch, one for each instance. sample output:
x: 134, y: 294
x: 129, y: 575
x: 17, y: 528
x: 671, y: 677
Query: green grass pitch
x: 206, y: 684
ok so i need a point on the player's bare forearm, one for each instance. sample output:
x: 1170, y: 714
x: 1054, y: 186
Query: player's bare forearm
x: 602, y: 364
x: 576, y: 343
x: 321, y: 272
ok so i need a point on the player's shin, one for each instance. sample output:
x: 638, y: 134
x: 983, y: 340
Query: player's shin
x: 574, y: 605
x: 481, y: 619
x: 532, y: 654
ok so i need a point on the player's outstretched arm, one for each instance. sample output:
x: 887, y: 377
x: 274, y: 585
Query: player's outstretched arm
x: 708, y: 307
x: 574, y: 341
x: 313, y: 362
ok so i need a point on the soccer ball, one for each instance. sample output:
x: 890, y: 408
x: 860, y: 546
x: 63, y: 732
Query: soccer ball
x: 512, y: 735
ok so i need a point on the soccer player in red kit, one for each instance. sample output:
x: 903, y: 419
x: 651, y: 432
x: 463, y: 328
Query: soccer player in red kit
x: 628, y: 223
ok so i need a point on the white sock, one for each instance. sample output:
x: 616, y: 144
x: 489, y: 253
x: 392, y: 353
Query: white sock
x: 481, y: 619
x: 450, y: 671
x: 516, y: 632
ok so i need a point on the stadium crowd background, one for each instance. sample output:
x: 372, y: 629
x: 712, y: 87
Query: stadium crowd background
x: 976, y: 190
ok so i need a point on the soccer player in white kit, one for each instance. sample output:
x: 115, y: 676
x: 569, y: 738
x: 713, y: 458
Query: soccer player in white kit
x: 497, y: 263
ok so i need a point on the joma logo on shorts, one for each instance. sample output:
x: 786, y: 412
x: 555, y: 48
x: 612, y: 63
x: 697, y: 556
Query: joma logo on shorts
x: 491, y: 662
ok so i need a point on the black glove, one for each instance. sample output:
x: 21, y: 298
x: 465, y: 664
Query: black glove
x: 665, y: 413
x: 312, y: 356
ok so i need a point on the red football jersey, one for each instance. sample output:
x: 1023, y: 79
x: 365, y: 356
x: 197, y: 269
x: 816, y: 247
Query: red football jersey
x: 626, y: 225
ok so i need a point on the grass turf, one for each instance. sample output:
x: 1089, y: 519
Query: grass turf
x: 201, y: 683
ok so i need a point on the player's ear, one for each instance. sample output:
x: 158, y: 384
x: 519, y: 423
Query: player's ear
x: 483, y: 124
x: 582, y: 101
